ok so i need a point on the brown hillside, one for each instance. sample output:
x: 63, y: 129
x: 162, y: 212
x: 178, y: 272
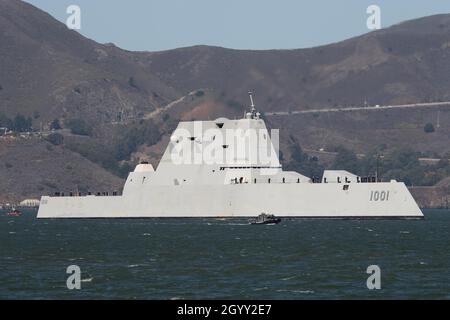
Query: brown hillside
x: 30, y: 168
x: 48, y: 72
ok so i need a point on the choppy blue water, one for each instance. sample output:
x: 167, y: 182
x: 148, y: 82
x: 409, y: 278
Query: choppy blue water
x: 226, y: 259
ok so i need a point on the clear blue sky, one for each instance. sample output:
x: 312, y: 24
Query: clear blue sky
x: 242, y: 24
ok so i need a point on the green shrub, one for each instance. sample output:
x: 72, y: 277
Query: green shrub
x: 428, y: 128
x: 234, y: 104
x: 5, y: 121
x: 22, y: 124
x: 79, y: 127
x: 302, y: 162
x: 55, y: 125
x: 99, y: 153
x: 55, y: 139
x: 132, y: 83
x: 143, y: 133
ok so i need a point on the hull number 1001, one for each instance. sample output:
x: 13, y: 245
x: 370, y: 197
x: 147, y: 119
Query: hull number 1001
x: 379, y: 195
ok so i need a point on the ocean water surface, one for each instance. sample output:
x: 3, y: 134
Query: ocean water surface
x: 224, y: 259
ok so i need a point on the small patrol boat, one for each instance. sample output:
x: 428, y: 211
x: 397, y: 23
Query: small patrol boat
x: 14, y: 213
x: 264, y: 218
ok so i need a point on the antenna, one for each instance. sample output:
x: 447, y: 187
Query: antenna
x: 438, y: 125
x: 376, y: 172
x: 250, y: 94
x: 253, y: 114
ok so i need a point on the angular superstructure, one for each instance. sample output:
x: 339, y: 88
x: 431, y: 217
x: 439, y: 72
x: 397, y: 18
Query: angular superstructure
x: 230, y: 168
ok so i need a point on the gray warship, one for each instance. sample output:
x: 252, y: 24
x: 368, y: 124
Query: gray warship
x: 230, y: 168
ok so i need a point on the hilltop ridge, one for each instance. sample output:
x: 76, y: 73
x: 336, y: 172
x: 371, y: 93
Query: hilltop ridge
x: 130, y: 101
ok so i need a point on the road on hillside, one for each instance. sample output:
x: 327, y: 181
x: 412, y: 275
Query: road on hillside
x: 168, y: 106
x: 413, y: 105
x: 157, y: 111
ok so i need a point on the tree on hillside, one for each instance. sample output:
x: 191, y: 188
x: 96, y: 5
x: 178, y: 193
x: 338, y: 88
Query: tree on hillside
x: 22, y: 124
x: 55, y: 125
x: 200, y: 93
x: 55, y: 139
x: 428, y: 128
x: 303, y: 163
x: 346, y: 160
x: 404, y: 165
x: 79, y: 127
x: 133, y: 137
x: 5, y: 122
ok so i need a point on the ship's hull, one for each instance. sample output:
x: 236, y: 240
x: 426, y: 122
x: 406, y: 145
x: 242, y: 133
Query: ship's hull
x: 306, y: 200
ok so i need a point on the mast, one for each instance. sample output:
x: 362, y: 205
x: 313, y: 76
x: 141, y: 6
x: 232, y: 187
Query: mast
x: 253, y: 114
